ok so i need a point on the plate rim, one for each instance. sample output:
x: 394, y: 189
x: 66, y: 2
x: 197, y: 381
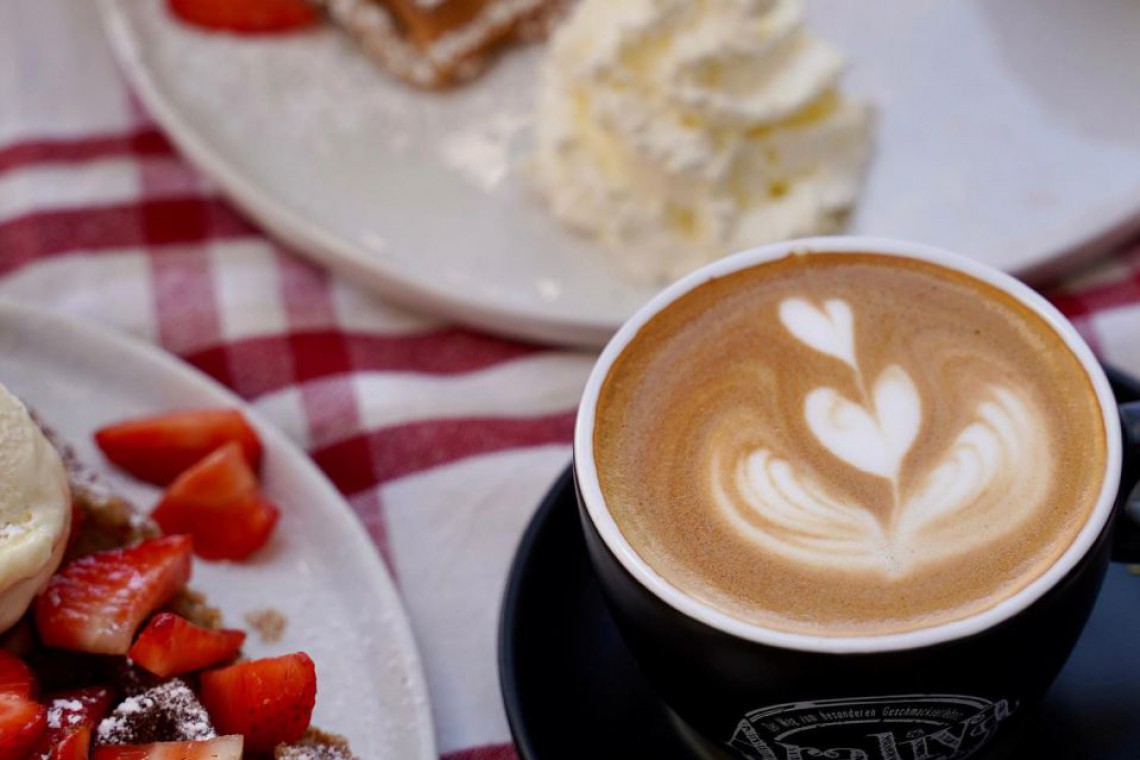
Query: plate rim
x: 24, y: 315
x: 1076, y: 245
x: 309, y: 238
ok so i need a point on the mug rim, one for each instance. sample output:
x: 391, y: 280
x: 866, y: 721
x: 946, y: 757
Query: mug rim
x: 616, y: 543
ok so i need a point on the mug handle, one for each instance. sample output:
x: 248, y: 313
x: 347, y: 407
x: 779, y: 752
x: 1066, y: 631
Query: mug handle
x: 1126, y: 541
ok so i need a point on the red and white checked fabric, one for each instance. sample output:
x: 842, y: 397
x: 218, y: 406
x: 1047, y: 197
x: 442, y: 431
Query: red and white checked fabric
x: 442, y: 439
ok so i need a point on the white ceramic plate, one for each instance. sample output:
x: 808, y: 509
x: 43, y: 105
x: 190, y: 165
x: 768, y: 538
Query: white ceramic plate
x: 1007, y: 132
x: 320, y: 568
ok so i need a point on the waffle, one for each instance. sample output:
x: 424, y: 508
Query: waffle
x: 437, y: 43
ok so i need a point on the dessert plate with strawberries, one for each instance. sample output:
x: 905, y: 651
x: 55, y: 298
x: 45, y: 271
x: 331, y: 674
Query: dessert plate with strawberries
x: 1004, y: 131
x: 217, y: 599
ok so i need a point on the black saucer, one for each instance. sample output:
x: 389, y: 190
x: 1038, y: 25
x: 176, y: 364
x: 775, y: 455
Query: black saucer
x: 573, y: 691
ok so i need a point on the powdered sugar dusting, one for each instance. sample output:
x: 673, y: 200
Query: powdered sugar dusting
x: 481, y: 153
x: 312, y: 752
x: 457, y: 55
x: 316, y: 746
x: 168, y: 712
x: 496, y: 16
x: 62, y: 713
x: 378, y: 35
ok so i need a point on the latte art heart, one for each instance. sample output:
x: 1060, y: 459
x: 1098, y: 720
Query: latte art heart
x: 873, y: 438
x: 984, y: 482
x: 848, y: 444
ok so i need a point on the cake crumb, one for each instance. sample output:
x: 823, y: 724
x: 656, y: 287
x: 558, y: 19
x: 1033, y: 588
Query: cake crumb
x: 269, y: 624
x: 315, y: 745
x: 192, y: 605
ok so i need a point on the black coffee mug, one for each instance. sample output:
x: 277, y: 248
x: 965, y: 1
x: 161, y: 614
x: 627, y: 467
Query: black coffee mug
x: 942, y: 693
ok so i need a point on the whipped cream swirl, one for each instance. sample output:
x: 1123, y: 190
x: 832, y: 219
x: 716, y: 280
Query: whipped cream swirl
x: 676, y: 131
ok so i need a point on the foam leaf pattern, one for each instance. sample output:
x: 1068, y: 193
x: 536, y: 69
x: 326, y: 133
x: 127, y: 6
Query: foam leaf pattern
x: 985, y: 482
x: 977, y: 465
x: 789, y: 512
x: 830, y: 330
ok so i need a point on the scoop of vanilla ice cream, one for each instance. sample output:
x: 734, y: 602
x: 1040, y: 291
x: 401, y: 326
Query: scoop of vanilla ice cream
x: 677, y: 131
x: 35, y: 509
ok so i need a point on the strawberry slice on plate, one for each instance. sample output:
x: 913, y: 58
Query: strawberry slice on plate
x: 268, y: 701
x: 97, y: 602
x: 22, y: 723
x: 171, y: 645
x: 22, y: 719
x: 158, y: 449
x: 16, y: 677
x: 72, y: 744
x: 247, y: 16
x: 218, y: 502
x: 222, y: 748
x: 71, y: 718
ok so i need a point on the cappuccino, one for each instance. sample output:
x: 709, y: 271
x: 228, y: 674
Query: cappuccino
x: 849, y: 444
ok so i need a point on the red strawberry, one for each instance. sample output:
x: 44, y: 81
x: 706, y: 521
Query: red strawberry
x: 249, y: 16
x: 170, y: 646
x: 159, y: 449
x: 222, y: 748
x: 218, y: 503
x: 72, y: 744
x: 22, y: 723
x: 97, y: 602
x: 268, y: 701
x: 16, y: 677
x: 71, y: 717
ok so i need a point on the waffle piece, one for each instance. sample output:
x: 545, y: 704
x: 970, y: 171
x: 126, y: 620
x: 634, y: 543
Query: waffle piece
x: 436, y: 43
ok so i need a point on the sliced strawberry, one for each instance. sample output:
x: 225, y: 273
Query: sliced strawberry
x: 248, y: 16
x: 222, y: 748
x: 217, y: 501
x: 170, y: 646
x: 159, y: 449
x: 97, y: 602
x: 16, y: 677
x: 267, y: 701
x: 22, y: 723
x: 72, y: 744
x: 71, y: 718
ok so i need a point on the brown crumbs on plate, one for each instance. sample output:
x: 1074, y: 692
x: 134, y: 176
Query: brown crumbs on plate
x: 192, y: 605
x: 315, y: 745
x: 269, y: 624
x: 108, y: 520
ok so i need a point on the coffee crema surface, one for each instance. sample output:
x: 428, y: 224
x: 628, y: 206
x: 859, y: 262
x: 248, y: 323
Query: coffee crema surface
x: 849, y: 444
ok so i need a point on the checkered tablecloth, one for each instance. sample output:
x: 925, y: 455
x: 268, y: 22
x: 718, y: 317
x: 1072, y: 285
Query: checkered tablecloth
x: 442, y: 439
